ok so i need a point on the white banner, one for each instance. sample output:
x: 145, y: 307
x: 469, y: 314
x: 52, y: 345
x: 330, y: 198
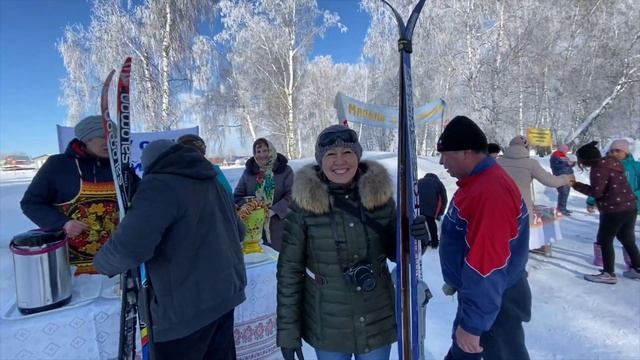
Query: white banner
x: 355, y: 111
x: 138, y: 140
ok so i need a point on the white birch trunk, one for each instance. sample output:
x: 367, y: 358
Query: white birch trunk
x: 164, y: 76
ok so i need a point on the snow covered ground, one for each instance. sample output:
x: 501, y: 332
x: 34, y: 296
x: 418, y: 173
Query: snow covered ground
x: 572, y: 318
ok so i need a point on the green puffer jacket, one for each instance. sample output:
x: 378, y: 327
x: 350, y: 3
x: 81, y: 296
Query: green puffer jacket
x: 330, y: 313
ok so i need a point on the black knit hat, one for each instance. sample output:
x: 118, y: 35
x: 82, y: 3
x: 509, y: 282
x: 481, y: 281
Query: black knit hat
x: 588, y: 152
x: 493, y: 148
x: 462, y: 134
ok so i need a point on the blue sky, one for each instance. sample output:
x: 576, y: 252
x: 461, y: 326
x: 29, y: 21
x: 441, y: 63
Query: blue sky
x: 31, y: 67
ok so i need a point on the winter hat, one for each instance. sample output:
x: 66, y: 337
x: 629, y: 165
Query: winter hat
x: 519, y: 141
x: 152, y: 152
x: 337, y: 136
x: 588, y: 152
x: 493, y: 148
x: 193, y: 141
x: 461, y: 133
x: 563, y: 148
x: 620, y: 144
x: 89, y: 128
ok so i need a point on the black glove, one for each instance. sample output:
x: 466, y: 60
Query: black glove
x: 419, y: 230
x: 289, y: 354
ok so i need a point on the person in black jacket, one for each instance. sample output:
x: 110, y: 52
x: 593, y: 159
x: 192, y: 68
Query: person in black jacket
x: 433, y: 203
x: 182, y: 224
x: 75, y: 191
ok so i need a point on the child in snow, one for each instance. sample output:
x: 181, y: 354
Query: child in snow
x: 562, y: 165
x: 618, y: 210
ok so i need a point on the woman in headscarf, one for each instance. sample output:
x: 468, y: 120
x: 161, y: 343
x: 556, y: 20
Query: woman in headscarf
x: 267, y: 177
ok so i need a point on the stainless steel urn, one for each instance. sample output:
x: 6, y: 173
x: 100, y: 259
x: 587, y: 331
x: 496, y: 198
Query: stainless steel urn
x: 43, y: 275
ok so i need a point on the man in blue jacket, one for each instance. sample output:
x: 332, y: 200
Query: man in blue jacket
x: 182, y: 224
x: 484, y: 249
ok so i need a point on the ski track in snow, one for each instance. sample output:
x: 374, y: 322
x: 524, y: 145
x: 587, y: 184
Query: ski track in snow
x: 571, y: 318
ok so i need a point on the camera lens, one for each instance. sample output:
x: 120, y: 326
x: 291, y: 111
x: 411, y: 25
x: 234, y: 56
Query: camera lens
x: 364, y: 278
x: 368, y: 284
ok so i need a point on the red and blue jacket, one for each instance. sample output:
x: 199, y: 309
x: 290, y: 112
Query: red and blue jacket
x: 485, y: 244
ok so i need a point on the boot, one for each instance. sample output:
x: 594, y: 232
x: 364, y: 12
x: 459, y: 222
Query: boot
x: 632, y: 274
x: 602, y: 278
x: 627, y: 258
x: 597, y: 255
x: 546, y: 250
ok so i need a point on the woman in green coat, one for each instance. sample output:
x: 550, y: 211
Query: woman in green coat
x: 334, y: 286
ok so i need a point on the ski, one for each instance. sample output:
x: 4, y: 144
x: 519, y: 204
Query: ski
x: 128, y: 314
x: 132, y: 284
x: 409, y: 261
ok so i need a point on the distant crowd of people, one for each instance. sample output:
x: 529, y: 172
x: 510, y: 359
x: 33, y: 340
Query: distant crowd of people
x: 333, y: 223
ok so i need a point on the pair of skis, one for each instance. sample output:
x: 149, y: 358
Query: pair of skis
x: 134, y: 283
x: 409, y: 269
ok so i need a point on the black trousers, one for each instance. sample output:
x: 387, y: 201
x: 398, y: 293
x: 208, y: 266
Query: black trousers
x: 433, y: 227
x: 620, y: 225
x: 505, y: 338
x: 214, y: 341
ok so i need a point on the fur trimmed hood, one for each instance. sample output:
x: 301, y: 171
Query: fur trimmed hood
x: 310, y: 192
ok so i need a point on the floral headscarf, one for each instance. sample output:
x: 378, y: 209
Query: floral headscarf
x: 265, y: 183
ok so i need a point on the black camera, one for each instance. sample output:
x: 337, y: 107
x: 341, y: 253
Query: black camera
x: 361, y: 274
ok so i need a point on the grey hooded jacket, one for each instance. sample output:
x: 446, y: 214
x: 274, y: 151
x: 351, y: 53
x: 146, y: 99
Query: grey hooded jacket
x: 523, y: 170
x: 183, y: 226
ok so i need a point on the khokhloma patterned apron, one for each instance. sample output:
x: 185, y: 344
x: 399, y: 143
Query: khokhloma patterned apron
x: 96, y: 206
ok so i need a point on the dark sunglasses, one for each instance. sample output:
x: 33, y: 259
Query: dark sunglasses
x: 347, y: 136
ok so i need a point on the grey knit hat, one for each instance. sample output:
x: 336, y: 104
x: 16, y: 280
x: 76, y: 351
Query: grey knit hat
x: 153, y: 150
x: 89, y: 128
x: 337, y: 136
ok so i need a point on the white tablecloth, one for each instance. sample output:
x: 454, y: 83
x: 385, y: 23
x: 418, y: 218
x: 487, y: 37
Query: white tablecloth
x: 91, y: 330
x: 546, y: 227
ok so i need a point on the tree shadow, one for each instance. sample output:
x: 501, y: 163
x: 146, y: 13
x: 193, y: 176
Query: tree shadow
x: 560, y: 263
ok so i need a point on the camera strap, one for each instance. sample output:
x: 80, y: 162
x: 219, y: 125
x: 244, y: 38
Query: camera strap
x: 336, y: 239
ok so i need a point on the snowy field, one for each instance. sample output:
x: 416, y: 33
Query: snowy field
x: 572, y: 318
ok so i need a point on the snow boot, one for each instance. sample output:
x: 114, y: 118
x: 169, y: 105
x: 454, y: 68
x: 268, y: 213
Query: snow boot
x: 627, y: 258
x: 632, y: 274
x: 597, y: 255
x: 602, y: 278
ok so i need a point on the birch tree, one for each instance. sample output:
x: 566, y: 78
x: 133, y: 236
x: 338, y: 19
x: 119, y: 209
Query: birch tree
x: 268, y: 42
x: 157, y: 33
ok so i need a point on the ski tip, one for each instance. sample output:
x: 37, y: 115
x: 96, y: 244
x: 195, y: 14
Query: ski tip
x: 107, y: 81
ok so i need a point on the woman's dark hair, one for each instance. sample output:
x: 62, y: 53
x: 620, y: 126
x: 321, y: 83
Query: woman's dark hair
x: 584, y: 163
x: 588, y: 154
x: 260, y: 141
